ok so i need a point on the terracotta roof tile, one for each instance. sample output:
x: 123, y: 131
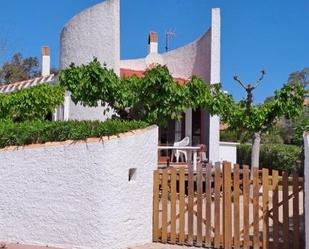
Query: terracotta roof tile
x: 125, y: 72
x: 27, y: 83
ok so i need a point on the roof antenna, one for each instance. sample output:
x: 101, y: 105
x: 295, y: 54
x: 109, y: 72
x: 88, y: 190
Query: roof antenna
x: 168, y: 36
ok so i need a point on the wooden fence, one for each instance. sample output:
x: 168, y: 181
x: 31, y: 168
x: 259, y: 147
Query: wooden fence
x: 227, y: 206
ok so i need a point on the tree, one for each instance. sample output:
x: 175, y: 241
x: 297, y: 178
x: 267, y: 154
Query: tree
x: 149, y: 99
x: 156, y: 98
x: 19, y: 69
x: 301, y: 76
x: 287, y: 102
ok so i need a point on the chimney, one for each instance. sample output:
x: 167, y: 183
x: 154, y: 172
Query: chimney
x: 153, y: 42
x: 45, y: 61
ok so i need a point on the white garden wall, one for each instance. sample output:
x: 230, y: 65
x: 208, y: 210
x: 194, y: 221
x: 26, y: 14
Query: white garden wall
x: 228, y: 152
x: 306, y: 143
x: 78, y: 194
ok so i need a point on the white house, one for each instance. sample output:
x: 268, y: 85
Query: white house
x: 95, y: 32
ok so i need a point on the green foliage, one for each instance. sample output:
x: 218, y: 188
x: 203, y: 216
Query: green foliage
x: 272, y: 137
x: 301, y: 127
x: 34, y: 103
x: 160, y: 98
x: 301, y: 76
x: 232, y: 135
x: 287, y: 102
x: 153, y: 99
x: 33, y: 132
x: 19, y: 69
x: 157, y: 98
x: 274, y: 156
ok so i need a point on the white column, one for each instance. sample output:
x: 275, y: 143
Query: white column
x: 45, y: 61
x: 153, y: 43
x: 214, y: 121
x: 306, y: 143
x: 188, y: 129
x: 66, y: 107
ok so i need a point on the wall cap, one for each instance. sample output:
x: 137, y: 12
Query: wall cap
x: 90, y: 140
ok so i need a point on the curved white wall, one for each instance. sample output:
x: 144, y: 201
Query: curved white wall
x: 192, y: 59
x: 93, y: 32
x: 183, y: 62
x: 78, y: 194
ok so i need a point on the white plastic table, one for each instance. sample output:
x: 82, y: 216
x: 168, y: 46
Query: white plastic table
x: 193, y: 149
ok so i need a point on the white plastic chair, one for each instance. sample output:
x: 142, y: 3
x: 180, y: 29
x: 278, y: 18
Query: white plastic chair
x: 177, y: 153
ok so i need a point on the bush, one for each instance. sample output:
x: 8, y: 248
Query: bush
x: 274, y: 156
x: 32, y: 132
x: 34, y: 103
x: 302, y: 127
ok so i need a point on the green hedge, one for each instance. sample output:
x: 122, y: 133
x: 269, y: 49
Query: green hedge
x: 274, y: 156
x: 34, y: 103
x: 32, y: 132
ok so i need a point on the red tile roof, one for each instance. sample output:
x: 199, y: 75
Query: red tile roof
x: 27, y: 83
x: 125, y: 72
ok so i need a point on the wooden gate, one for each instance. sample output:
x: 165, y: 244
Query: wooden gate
x: 226, y: 206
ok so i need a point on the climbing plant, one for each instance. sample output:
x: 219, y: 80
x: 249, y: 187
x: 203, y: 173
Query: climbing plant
x: 34, y: 103
x: 157, y: 97
x: 154, y: 98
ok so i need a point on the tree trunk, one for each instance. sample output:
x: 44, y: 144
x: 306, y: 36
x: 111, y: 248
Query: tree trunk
x: 255, y: 154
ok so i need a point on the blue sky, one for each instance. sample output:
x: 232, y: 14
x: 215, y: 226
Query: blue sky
x: 257, y: 34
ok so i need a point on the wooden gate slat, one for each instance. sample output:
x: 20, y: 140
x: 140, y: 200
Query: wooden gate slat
x: 246, y: 200
x: 227, y: 233
x: 285, y: 180
x: 295, y: 211
x: 190, y: 204
x: 155, y: 226
x: 236, y: 208
x: 218, y: 182
x: 265, y: 183
x: 199, y: 238
x: 256, y: 208
x: 275, y: 208
x: 182, y: 206
x: 164, y: 205
x: 208, y: 206
x: 169, y: 207
x: 173, y: 206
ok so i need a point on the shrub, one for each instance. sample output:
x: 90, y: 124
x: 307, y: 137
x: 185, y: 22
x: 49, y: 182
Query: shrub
x: 274, y: 156
x: 34, y: 103
x: 302, y: 127
x: 32, y: 132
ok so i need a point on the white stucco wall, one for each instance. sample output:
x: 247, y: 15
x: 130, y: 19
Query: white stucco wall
x: 78, y: 194
x: 192, y: 59
x: 80, y: 112
x: 306, y: 144
x: 228, y: 152
x: 95, y: 32
x: 183, y: 62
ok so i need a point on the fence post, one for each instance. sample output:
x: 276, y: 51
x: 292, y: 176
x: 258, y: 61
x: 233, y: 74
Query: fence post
x: 156, y: 185
x: 227, y: 228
